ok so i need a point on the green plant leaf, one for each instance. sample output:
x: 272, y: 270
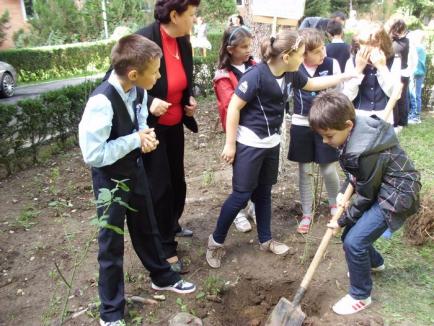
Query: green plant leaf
x: 104, y: 196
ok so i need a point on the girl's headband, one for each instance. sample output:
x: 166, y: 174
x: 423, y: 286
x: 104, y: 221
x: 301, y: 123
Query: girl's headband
x: 294, y: 47
x: 235, y: 31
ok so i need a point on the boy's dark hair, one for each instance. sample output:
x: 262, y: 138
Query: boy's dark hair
x: 232, y: 36
x: 133, y: 52
x: 334, y: 28
x: 330, y: 110
x: 164, y: 7
x: 338, y: 14
x: 312, y: 38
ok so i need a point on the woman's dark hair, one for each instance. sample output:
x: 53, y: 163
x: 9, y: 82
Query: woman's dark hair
x: 232, y: 36
x: 164, y: 7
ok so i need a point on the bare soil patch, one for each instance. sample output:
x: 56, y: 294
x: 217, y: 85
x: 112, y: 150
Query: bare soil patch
x: 44, y: 219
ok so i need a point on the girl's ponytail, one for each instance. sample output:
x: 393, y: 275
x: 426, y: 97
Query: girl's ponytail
x: 285, y: 41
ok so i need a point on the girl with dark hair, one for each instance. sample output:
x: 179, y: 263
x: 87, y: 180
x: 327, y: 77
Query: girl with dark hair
x: 255, y: 115
x: 234, y: 59
x: 171, y: 105
x: 401, y: 46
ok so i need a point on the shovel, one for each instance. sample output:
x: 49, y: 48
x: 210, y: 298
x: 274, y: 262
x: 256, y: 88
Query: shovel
x: 287, y: 313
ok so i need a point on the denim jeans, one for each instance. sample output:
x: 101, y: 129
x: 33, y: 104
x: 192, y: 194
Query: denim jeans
x: 360, y: 254
x: 236, y: 201
x: 415, y: 92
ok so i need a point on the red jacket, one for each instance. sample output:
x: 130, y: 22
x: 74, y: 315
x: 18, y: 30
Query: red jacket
x: 224, y: 84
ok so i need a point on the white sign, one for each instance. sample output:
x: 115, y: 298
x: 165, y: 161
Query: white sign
x: 290, y: 9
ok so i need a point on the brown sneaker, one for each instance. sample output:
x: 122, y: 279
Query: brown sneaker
x: 274, y: 246
x: 214, y: 253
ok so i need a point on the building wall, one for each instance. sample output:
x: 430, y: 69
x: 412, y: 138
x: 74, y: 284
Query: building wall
x: 16, y: 20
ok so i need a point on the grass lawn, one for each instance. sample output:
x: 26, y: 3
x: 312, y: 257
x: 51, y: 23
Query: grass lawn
x: 406, y: 288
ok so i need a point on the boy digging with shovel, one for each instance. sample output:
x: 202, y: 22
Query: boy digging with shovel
x: 386, y: 188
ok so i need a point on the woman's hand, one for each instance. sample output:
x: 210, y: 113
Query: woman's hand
x: 191, y: 109
x: 228, y: 153
x: 378, y: 58
x: 159, y: 107
x: 362, y: 58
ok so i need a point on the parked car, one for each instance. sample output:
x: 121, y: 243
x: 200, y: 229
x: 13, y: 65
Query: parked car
x: 8, y: 79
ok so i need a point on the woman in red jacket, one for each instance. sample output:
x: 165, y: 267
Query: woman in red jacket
x: 234, y: 59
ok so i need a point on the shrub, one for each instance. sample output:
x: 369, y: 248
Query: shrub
x: 44, y: 63
x: 31, y: 123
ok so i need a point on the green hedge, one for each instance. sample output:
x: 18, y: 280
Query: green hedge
x: 28, y: 125
x: 36, y: 64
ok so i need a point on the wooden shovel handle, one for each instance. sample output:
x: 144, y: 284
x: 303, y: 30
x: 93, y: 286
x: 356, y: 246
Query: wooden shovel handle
x: 347, y: 196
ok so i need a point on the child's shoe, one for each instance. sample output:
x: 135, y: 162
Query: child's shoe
x: 304, y: 225
x: 214, y: 253
x: 251, y: 211
x: 378, y: 268
x: 333, y: 209
x: 241, y: 222
x: 112, y: 323
x: 348, y: 305
x: 374, y: 269
x: 181, y: 286
x: 274, y: 246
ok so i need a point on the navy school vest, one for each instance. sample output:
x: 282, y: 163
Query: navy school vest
x: 131, y: 165
x: 371, y: 96
x: 303, y: 99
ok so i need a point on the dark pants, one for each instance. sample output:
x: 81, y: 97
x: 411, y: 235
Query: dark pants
x: 236, y: 201
x: 360, y: 254
x: 146, y: 242
x: 165, y: 169
x: 400, y: 111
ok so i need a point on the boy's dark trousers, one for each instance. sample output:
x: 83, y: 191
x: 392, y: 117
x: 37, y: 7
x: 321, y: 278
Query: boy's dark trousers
x: 145, y: 238
x: 360, y: 254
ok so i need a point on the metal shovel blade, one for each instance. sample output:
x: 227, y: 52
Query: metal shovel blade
x: 286, y: 314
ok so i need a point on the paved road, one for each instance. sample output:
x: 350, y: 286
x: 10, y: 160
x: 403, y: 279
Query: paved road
x: 30, y: 91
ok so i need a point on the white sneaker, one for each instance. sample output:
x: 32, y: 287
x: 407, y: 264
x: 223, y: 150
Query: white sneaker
x: 398, y: 129
x: 181, y: 286
x: 251, y: 211
x: 241, y: 222
x: 378, y: 268
x: 214, y: 253
x: 274, y: 246
x: 112, y: 323
x: 348, y: 305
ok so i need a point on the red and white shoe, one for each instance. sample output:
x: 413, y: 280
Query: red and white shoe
x: 304, y: 225
x: 348, y: 305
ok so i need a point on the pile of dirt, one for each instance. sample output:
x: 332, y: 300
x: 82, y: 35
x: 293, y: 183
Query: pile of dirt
x: 419, y: 228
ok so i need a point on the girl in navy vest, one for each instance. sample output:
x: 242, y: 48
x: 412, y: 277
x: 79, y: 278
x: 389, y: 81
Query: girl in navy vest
x: 372, y: 60
x: 234, y: 59
x: 306, y: 146
x: 255, y: 115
